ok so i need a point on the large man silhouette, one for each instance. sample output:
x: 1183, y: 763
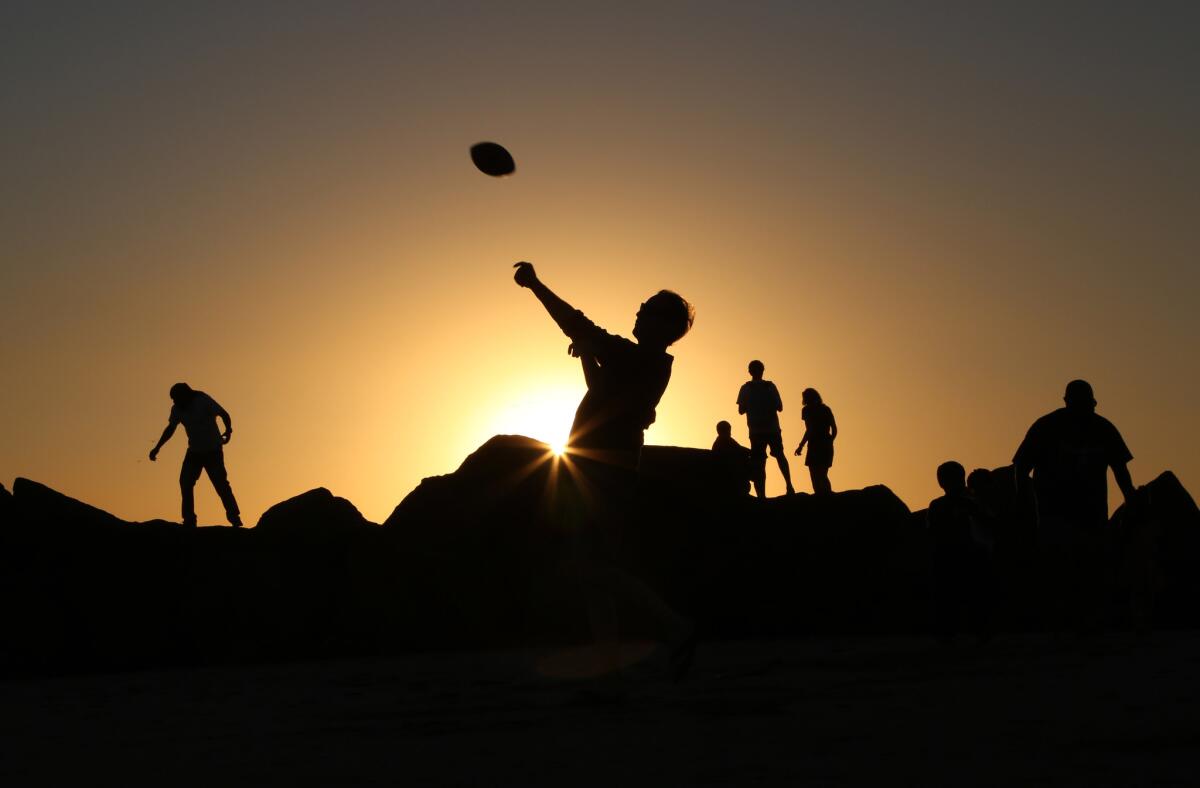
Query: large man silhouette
x: 1069, y: 453
x: 198, y: 413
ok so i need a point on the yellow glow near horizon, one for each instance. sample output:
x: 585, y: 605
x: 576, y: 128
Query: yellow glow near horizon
x: 545, y: 415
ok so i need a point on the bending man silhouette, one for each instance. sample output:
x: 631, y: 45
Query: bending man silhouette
x: 625, y: 381
x: 760, y: 401
x: 198, y: 413
x: 1069, y: 452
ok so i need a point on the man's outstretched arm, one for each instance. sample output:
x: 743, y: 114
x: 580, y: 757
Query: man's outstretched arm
x: 166, y: 436
x: 565, y: 315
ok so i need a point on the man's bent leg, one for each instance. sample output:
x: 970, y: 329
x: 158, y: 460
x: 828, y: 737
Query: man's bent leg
x: 188, y: 474
x: 220, y: 481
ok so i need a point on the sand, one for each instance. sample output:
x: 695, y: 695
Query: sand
x: 1024, y: 710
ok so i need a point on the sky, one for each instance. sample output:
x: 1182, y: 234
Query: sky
x: 936, y: 214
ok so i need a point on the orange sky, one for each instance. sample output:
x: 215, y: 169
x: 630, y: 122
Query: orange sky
x: 935, y: 217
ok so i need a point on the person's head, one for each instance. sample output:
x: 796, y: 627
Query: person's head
x: 1079, y: 396
x: 810, y: 397
x: 181, y: 393
x: 756, y: 369
x: 951, y: 476
x: 978, y: 480
x: 724, y: 429
x: 663, y: 319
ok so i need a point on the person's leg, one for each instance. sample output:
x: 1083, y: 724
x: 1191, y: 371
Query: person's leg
x: 758, y: 464
x: 188, y: 474
x: 781, y: 457
x: 820, y: 477
x: 215, y: 465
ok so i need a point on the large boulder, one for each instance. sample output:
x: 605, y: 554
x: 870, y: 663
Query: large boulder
x: 786, y: 566
x: 1158, y: 549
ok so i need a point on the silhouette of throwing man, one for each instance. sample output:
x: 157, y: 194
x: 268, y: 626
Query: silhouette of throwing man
x: 820, y: 430
x: 625, y: 381
x: 1069, y: 453
x: 198, y: 413
x: 760, y: 401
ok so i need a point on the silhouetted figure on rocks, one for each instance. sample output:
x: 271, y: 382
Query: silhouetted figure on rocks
x: 760, y: 401
x: 962, y: 566
x: 820, y: 430
x: 625, y: 381
x: 733, y: 460
x: 1069, y: 452
x: 198, y: 413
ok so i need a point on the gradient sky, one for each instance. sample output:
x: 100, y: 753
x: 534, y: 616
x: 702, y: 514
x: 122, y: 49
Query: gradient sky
x: 936, y: 214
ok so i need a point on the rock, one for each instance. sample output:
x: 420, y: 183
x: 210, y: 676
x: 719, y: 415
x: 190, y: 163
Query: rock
x: 787, y: 566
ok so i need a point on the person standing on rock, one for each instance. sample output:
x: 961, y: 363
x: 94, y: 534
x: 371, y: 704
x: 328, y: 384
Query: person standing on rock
x: 198, y: 413
x: 760, y: 401
x: 1069, y: 453
x: 820, y: 430
x: 625, y: 381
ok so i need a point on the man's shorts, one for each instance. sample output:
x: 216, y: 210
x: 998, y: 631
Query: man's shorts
x: 760, y: 442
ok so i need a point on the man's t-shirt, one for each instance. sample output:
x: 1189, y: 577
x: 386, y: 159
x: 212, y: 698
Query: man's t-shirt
x: 623, y: 392
x: 1070, y: 453
x: 760, y: 401
x: 199, y: 420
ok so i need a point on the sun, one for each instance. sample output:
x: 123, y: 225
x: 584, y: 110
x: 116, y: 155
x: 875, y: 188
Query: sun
x: 544, y: 415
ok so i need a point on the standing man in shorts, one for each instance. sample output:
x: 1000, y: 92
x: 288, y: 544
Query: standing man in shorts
x: 760, y: 401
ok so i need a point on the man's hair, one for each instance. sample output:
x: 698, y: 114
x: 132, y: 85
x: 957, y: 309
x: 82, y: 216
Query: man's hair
x: 672, y: 313
x: 951, y: 474
x: 756, y: 365
x: 181, y: 392
x: 724, y: 428
x: 979, y: 478
x: 810, y: 397
x: 1079, y: 394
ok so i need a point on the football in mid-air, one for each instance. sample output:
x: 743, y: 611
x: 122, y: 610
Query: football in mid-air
x: 492, y: 159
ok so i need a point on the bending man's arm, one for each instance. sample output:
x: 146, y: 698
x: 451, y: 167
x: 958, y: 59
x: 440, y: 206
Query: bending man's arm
x: 223, y: 415
x: 166, y: 436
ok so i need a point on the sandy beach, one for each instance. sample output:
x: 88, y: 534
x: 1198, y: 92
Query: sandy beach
x: 1024, y: 710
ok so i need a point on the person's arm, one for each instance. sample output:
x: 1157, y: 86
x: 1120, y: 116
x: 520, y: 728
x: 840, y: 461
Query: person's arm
x: 569, y: 319
x: 223, y: 415
x: 591, y: 367
x: 778, y: 399
x: 832, y: 427
x: 1124, y: 481
x: 803, y: 441
x: 166, y: 436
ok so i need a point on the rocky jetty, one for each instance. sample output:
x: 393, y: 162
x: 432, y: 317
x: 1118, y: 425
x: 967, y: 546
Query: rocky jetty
x: 474, y: 559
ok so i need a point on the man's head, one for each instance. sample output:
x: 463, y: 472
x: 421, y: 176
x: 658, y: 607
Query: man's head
x: 1079, y: 396
x: 181, y: 393
x: 952, y: 477
x: 756, y: 369
x: 979, y: 480
x: 663, y: 319
x: 724, y: 429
